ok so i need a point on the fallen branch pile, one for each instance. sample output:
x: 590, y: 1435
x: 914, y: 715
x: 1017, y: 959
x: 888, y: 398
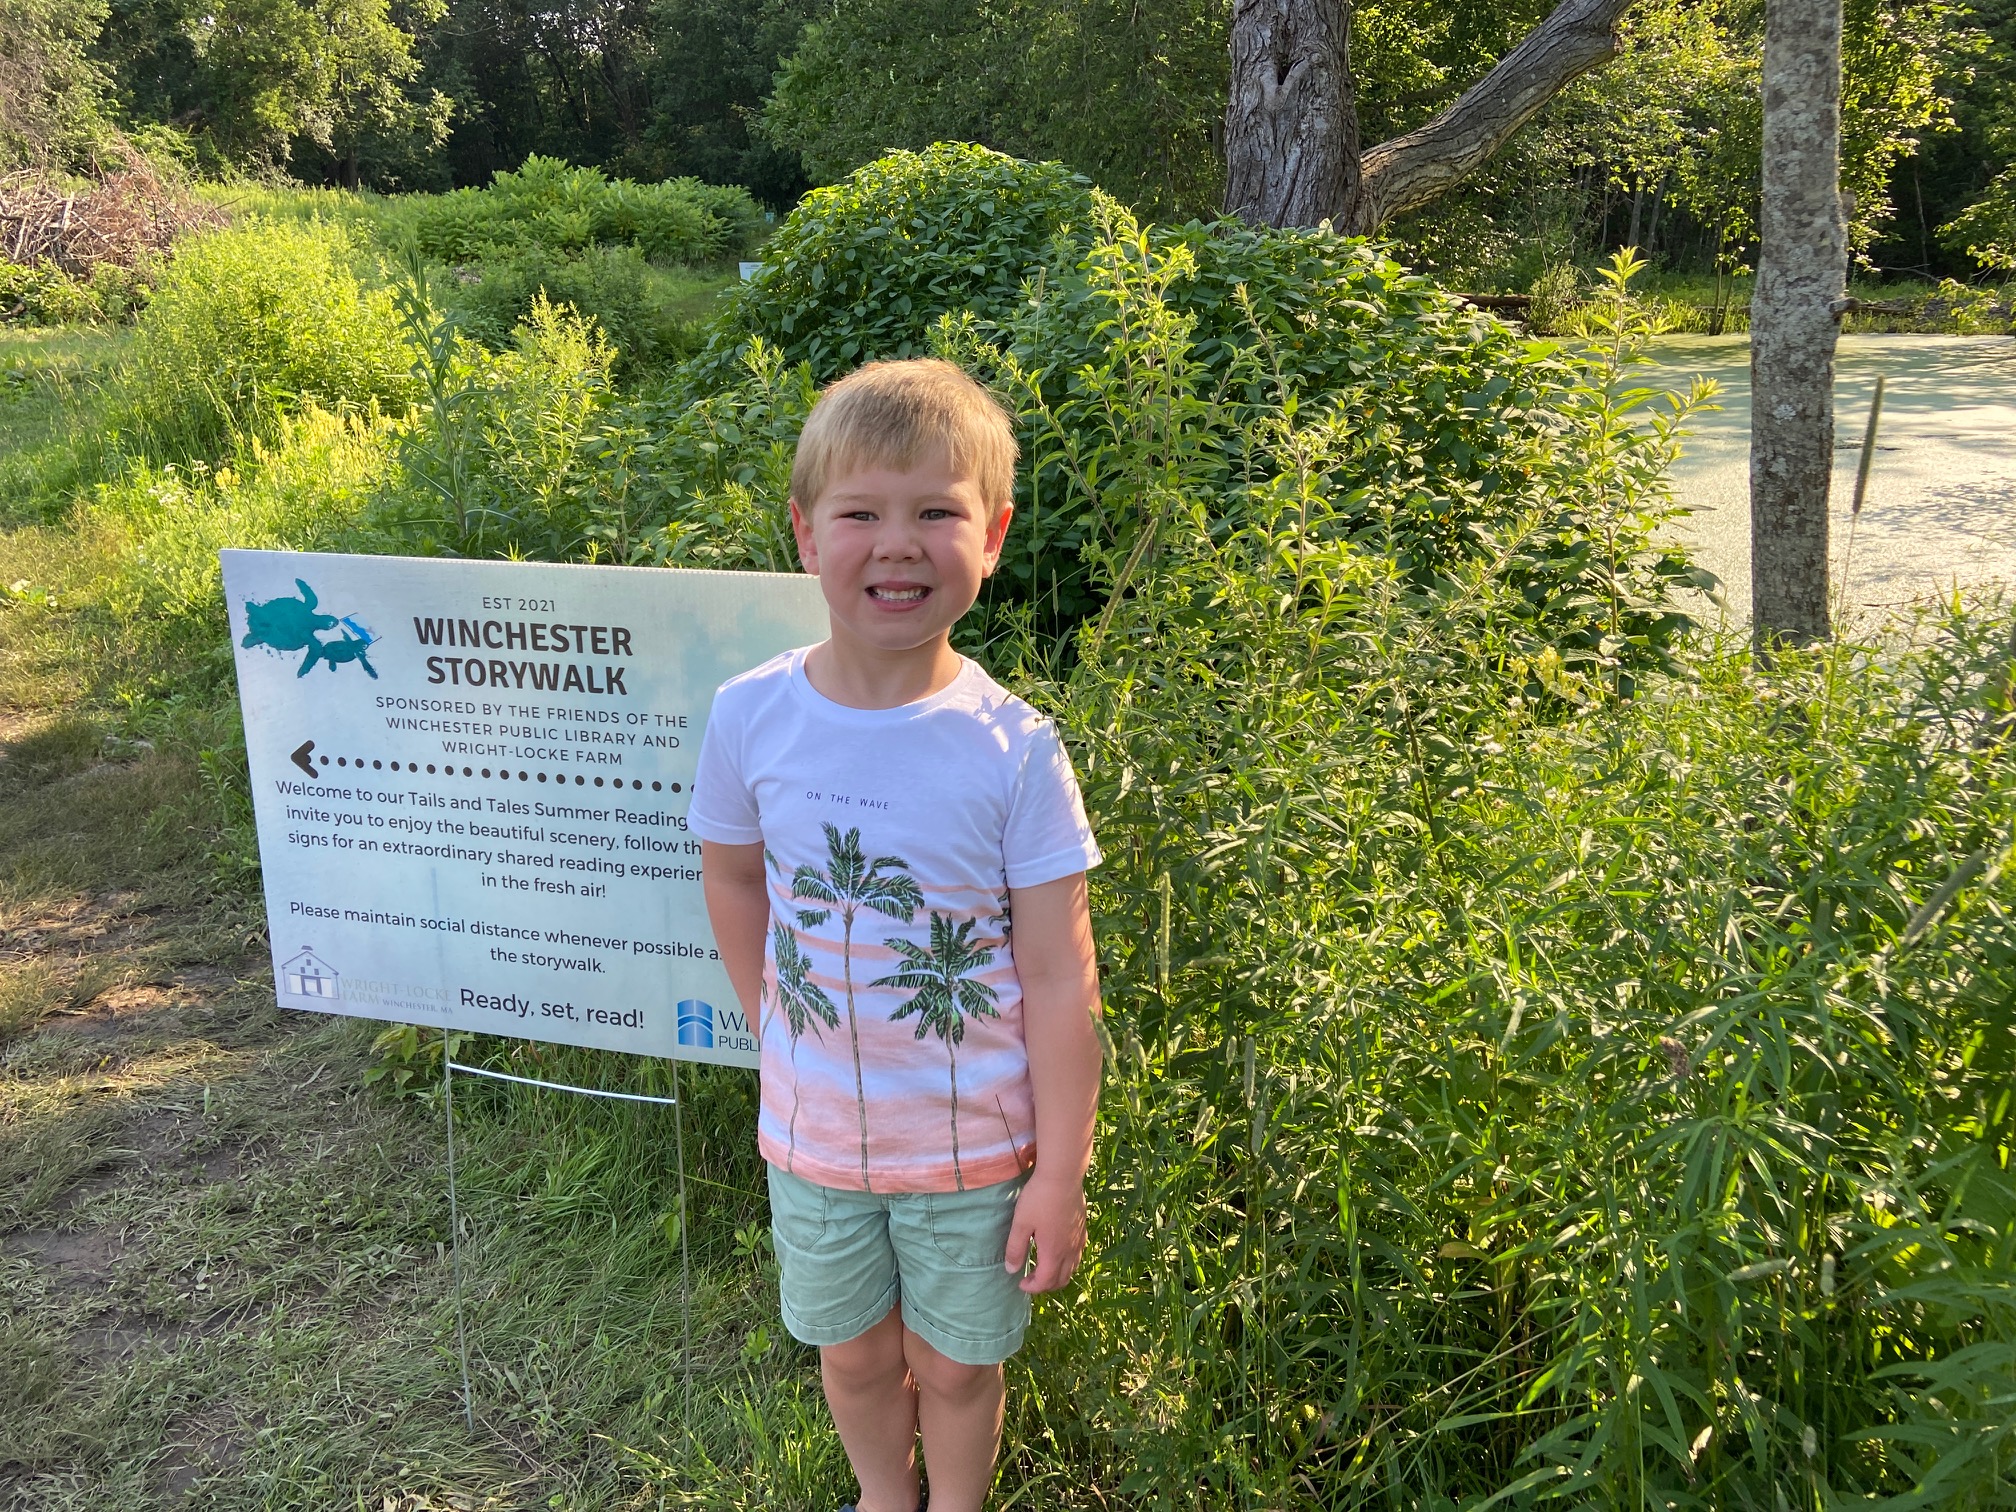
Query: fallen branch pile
x: 120, y: 217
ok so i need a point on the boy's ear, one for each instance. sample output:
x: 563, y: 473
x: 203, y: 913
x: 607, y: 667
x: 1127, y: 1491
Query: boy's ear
x: 997, y: 537
x: 801, y: 531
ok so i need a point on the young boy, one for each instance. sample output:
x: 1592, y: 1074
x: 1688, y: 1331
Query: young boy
x: 873, y: 812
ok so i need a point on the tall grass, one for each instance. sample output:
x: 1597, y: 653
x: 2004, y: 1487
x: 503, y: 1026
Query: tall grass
x: 250, y: 324
x: 1526, y: 1094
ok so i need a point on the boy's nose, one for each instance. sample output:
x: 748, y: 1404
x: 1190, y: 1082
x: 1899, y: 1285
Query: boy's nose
x: 897, y: 543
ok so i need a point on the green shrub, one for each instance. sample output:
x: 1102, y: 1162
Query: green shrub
x: 154, y: 532
x: 255, y: 323
x: 1986, y: 229
x: 550, y: 206
x: 613, y: 286
x: 1460, y: 427
x: 490, y: 462
x: 46, y: 296
x: 861, y: 269
x: 1616, y: 1108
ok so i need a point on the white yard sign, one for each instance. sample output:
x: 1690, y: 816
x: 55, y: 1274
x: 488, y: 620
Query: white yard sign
x: 471, y: 782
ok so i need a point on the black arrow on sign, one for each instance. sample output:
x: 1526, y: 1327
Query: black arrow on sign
x: 300, y: 759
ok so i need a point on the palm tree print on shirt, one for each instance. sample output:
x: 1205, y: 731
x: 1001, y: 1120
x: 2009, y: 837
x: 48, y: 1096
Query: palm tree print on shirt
x: 849, y: 884
x: 943, y: 996
x: 804, y: 1002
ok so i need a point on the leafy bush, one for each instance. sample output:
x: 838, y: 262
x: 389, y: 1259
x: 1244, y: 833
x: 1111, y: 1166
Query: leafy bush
x: 255, y: 323
x: 490, y: 461
x: 1986, y: 229
x: 1459, y: 426
x: 611, y: 286
x: 47, y: 296
x: 1609, y: 1113
x: 552, y: 207
x: 155, y: 531
x: 861, y: 269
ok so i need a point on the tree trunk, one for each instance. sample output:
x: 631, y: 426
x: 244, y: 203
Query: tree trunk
x: 1292, y: 153
x: 1801, y: 272
x: 1291, y: 127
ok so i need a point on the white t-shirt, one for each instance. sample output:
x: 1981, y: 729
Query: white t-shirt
x: 893, y: 1057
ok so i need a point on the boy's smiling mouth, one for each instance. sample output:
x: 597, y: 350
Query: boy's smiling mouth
x: 894, y: 595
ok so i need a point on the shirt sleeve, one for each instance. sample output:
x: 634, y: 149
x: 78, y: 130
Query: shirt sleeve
x: 723, y: 809
x: 1047, y: 835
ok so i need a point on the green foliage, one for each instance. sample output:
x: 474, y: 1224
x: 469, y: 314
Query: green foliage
x: 156, y: 529
x: 255, y: 323
x: 1986, y: 229
x: 700, y: 484
x: 1617, y: 1110
x: 612, y: 286
x: 550, y: 207
x: 489, y: 464
x: 862, y: 269
x: 1130, y: 93
x: 336, y: 73
x: 53, y: 92
x: 1459, y: 425
x: 45, y: 295
x: 712, y: 63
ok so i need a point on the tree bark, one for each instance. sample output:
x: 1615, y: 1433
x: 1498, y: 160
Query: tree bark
x: 1292, y: 152
x: 1801, y: 272
x: 1291, y: 127
x: 1419, y: 166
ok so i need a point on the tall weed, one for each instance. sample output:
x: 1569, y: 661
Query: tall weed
x: 1522, y: 1093
x: 252, y: 324
x: 491, y: 457
x: 153, y: 533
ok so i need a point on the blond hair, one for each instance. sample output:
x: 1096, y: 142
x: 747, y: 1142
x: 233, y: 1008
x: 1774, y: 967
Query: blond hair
x: 893, y: 414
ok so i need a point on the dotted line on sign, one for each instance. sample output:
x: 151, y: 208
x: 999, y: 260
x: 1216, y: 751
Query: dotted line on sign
x: 502, y: 774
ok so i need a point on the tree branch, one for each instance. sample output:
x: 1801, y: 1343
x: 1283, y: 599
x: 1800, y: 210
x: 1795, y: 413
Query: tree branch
x: 1415, y: 167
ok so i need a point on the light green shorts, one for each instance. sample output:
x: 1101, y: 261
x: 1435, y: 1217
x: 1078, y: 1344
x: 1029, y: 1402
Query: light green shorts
x: 845, y: 1258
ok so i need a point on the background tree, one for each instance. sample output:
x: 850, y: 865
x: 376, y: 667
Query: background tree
x: 1129, y: 93
x: 330, y: 86
x: 52, y: 91
x: 1293, y: 155
x: 712, y: 63
x: 1801, y: 272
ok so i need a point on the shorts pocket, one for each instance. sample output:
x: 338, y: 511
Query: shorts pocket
x: 971, y: 1228
x: 799, y: 1210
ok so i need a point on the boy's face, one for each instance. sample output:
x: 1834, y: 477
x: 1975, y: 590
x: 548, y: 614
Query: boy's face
x: 899, y: 554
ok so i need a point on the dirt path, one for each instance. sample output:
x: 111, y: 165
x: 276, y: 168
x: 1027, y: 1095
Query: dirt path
x: 180, y: 1165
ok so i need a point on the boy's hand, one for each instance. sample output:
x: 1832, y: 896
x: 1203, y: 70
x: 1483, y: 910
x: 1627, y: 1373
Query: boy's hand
x: 1052, y: 1215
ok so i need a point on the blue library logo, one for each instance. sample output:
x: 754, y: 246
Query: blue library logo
x: 696, y: 1024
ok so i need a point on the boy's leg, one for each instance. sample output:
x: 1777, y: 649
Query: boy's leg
x: 960, y: 1409
x: 873, y: 1400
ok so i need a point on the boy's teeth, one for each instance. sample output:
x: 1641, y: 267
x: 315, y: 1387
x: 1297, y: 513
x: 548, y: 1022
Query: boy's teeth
x: 899, y: 595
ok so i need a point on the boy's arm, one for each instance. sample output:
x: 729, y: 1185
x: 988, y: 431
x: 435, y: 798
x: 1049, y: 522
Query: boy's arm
x: 1060, y: 1000
x: 738, y: 908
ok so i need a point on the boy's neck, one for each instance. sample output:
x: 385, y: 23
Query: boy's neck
x: 860, y: 676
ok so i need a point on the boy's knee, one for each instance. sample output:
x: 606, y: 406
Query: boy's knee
x: 866, y: 1360
x: 946, y: 1378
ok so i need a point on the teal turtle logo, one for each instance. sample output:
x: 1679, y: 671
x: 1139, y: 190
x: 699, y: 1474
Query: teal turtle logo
x: 294, y: 624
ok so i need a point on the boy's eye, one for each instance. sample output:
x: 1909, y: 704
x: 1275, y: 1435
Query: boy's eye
x: 937, y: 514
